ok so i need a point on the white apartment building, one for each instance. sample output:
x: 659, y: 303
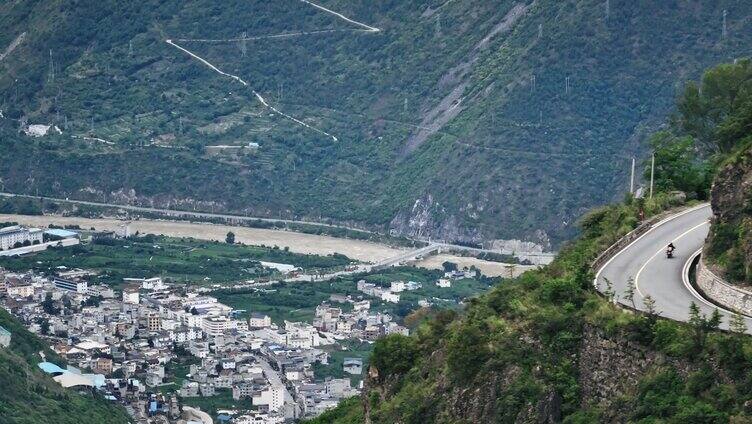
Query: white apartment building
x: 131, y: 296
x: 397, y: 286
x: 190, y: 320
x: 216, y: 326
x: 9, y: 236
x: 258, y: 320
x: 273, y: 395
x: 78, y: 286
x: 390, y: 297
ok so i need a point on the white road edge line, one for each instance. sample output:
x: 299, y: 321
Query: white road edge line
x: 695, y: 293
x: 598, y: 273
x: 637, y: 277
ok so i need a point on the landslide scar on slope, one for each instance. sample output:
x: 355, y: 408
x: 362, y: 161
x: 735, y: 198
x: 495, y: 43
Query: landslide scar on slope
x: 458, y: 78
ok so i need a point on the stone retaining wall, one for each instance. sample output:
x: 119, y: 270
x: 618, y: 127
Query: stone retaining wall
x: 723, y: 293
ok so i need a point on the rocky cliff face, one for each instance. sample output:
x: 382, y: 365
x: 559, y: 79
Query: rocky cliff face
x: 729, y: 244
x: 429, y: 218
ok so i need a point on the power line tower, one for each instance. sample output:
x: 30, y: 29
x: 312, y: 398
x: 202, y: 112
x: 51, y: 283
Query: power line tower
x: 608, y: 9
x: 540, y: 31
x: 437, y: 34
x: 130, y: 48
x: 566, y: 85
x: 243, y: 46
x: 532, y: 84
x: 724, y: 32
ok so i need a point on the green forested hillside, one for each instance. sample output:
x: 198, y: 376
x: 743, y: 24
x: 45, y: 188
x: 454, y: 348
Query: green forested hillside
x: 461, y: 120
x: 28, y: 396
x: 547, y: 348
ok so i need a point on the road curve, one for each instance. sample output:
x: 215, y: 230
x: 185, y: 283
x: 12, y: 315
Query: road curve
x: 662, y: 278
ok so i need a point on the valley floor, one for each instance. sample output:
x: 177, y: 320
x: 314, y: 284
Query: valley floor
x: 297, y: 242
x: 488, y: 268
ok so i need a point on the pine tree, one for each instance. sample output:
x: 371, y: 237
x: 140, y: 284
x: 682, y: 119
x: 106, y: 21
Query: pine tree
x: 699, y: 324
x: 629, y: 292
x: 609, y: 291
x: 737, y: 324
x: 715, y: 320
x: 649, y: 303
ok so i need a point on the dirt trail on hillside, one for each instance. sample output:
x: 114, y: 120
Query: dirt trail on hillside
x: 12, y: 46
x: 436, y: 117
x: 261, y: 99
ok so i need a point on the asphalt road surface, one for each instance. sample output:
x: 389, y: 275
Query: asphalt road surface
x: 662, y: 278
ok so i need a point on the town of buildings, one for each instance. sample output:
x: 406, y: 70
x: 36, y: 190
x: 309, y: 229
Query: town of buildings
x: 125, y: 343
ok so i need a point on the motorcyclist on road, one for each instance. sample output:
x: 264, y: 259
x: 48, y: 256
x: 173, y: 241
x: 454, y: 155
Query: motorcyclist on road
x: 670, y: 249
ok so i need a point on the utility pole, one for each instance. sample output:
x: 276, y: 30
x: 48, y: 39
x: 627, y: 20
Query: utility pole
x: 566, y: 85
x: 437, y: 34
x: 608, y: 9
x: 540, y: 31
x: 532, y: 83
x: 631, y: 179
x: 52, y: 69
x: 724, y: 33
x: 130, y: 48
x: 652, y: 173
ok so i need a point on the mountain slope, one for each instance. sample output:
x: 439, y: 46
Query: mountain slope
x: 459, y: 120
x: 546, y: 349
x: 29, y: 396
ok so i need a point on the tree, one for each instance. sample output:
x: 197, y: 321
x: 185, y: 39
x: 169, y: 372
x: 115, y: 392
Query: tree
x: 44, y: 326
x: 699, y: 324
x: 649, y: 303
x: 609, y: 290
x: 449, y: 266
x: 677, y: 166
x: 230, y: 238
x: 737, y: 324
x: 629, y: 292
x: 715, y: 320
x: 48, y: 305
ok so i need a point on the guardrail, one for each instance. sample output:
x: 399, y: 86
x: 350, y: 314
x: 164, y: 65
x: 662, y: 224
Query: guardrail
x: 625, y: 241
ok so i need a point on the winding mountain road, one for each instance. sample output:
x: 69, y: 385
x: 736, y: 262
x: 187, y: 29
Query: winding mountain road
x: 663, y: 279
x: 361, y: 28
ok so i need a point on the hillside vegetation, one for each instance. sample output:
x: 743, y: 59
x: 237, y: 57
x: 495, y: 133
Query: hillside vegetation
x: 461, y: 120
x: 547, y: 348
x: 28, y: 396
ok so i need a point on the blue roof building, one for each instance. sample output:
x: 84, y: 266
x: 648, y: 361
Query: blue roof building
x: 63, y: 234
x: 51, y: 368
